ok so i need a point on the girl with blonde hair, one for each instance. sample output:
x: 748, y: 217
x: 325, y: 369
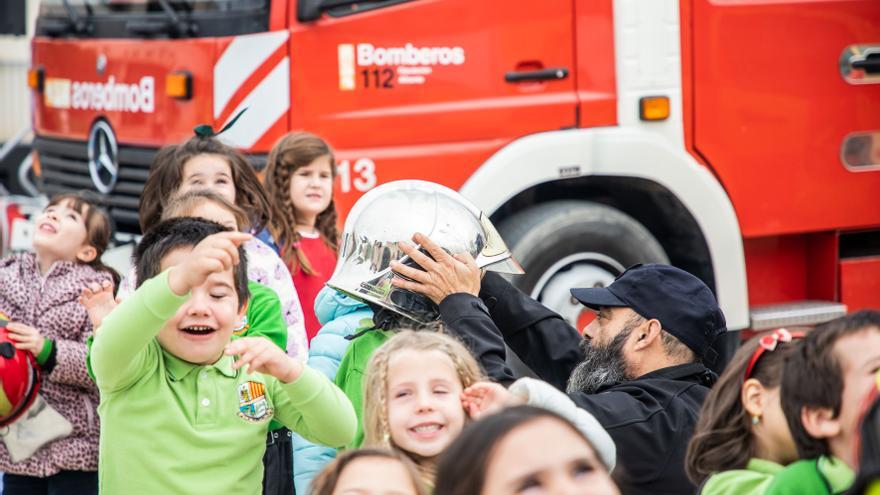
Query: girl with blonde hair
x: 412, y: 395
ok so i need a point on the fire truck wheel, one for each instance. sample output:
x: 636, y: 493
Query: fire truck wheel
x: 566, y: 244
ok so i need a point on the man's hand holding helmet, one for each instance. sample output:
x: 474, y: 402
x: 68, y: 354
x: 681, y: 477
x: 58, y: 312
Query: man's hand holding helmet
x: 443, y: 275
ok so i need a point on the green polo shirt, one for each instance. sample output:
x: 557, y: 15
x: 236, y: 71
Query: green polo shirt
x: 169, y: 426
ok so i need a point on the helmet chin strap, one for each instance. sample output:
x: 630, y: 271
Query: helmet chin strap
x: 387, y: 319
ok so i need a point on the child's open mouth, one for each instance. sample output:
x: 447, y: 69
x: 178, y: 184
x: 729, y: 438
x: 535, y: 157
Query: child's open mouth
x: 197, y: 330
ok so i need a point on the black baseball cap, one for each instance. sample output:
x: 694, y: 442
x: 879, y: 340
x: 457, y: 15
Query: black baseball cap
x: 683, y: 304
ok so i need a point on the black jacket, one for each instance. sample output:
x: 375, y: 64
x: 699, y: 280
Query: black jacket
x: 651, y: 418
x: 467, y: 318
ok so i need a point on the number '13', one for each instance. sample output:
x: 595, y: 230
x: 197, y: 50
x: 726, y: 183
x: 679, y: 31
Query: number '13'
x: 362, y: 176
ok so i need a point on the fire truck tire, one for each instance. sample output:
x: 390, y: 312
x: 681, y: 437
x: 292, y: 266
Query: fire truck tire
x: 566, y: 244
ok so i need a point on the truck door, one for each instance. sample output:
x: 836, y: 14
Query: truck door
x: 429, y: 88
x: 786, y: 110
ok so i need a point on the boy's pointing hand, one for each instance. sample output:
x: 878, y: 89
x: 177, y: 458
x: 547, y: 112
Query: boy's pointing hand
x: 215, y: 254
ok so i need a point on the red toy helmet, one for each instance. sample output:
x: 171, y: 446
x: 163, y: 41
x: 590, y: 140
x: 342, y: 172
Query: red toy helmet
x: 19, y: 377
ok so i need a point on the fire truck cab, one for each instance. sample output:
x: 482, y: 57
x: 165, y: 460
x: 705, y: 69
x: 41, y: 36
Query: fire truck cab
x: 737, y: 139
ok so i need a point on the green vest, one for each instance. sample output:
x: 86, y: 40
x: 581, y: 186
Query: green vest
x: 350, y: 376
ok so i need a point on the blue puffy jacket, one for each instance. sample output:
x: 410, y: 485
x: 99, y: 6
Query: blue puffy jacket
x: 340, y: 316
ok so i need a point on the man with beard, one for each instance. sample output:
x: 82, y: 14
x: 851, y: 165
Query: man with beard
x: 637, y: 368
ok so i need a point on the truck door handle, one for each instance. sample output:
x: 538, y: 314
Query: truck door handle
x: 870, y: 63
x: 556, y: 73
x: 860, y: 64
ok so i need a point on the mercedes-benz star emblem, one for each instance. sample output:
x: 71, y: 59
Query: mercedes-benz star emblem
x: 102, y: 157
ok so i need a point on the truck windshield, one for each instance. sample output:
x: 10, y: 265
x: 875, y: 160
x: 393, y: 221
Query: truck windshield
x: 104, y: 7
x: 151, y: 18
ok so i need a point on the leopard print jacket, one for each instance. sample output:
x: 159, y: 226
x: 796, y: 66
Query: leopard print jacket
x: 50, y: 305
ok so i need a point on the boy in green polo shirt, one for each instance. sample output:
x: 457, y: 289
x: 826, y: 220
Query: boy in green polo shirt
x: 823, y: 384
x: 183, y: 409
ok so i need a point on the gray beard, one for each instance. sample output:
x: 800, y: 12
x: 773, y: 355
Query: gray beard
x: 601, y: 365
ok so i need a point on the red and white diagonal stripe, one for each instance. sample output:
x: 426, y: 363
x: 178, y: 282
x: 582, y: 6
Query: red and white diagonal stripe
x: 253, y: 72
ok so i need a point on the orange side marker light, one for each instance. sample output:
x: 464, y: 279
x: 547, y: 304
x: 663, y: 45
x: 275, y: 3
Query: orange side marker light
x: 36, y: 79
x: 179, y: 85
x: 654, y: 108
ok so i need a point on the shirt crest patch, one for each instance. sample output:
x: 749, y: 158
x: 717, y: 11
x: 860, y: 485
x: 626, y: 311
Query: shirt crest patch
x: 252, y: 403
x: 243, y: 328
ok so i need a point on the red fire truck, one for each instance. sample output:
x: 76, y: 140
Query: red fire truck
x: 738, y: 139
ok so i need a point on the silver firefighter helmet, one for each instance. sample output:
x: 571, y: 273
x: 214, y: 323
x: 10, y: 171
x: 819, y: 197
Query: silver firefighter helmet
x: 395, y: 211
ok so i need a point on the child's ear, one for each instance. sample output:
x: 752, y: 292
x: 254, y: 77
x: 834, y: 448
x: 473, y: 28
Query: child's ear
x: 86, y: 254
x: 753, y: 397
x: 821, y: 422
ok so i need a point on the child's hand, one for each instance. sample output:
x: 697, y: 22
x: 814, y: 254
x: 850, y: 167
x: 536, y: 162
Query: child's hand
x: 260, y: 355
x: 216, y: 253
x: 98, y: 301
x: 484, y: 398
x: 26, y: 338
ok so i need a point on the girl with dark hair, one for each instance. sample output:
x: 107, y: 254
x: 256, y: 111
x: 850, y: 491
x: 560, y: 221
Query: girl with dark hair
x: 299, y: 178
x: 207, y: 163
x: 369, y: 472
x: 203, y: 162
x: 742, y: 439
x: 56, y: 450
x: 521, y: 449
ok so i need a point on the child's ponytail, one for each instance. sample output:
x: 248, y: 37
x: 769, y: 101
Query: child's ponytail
x: 99, y: 265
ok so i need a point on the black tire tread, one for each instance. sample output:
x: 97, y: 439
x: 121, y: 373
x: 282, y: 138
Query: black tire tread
x: 537, y: 229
